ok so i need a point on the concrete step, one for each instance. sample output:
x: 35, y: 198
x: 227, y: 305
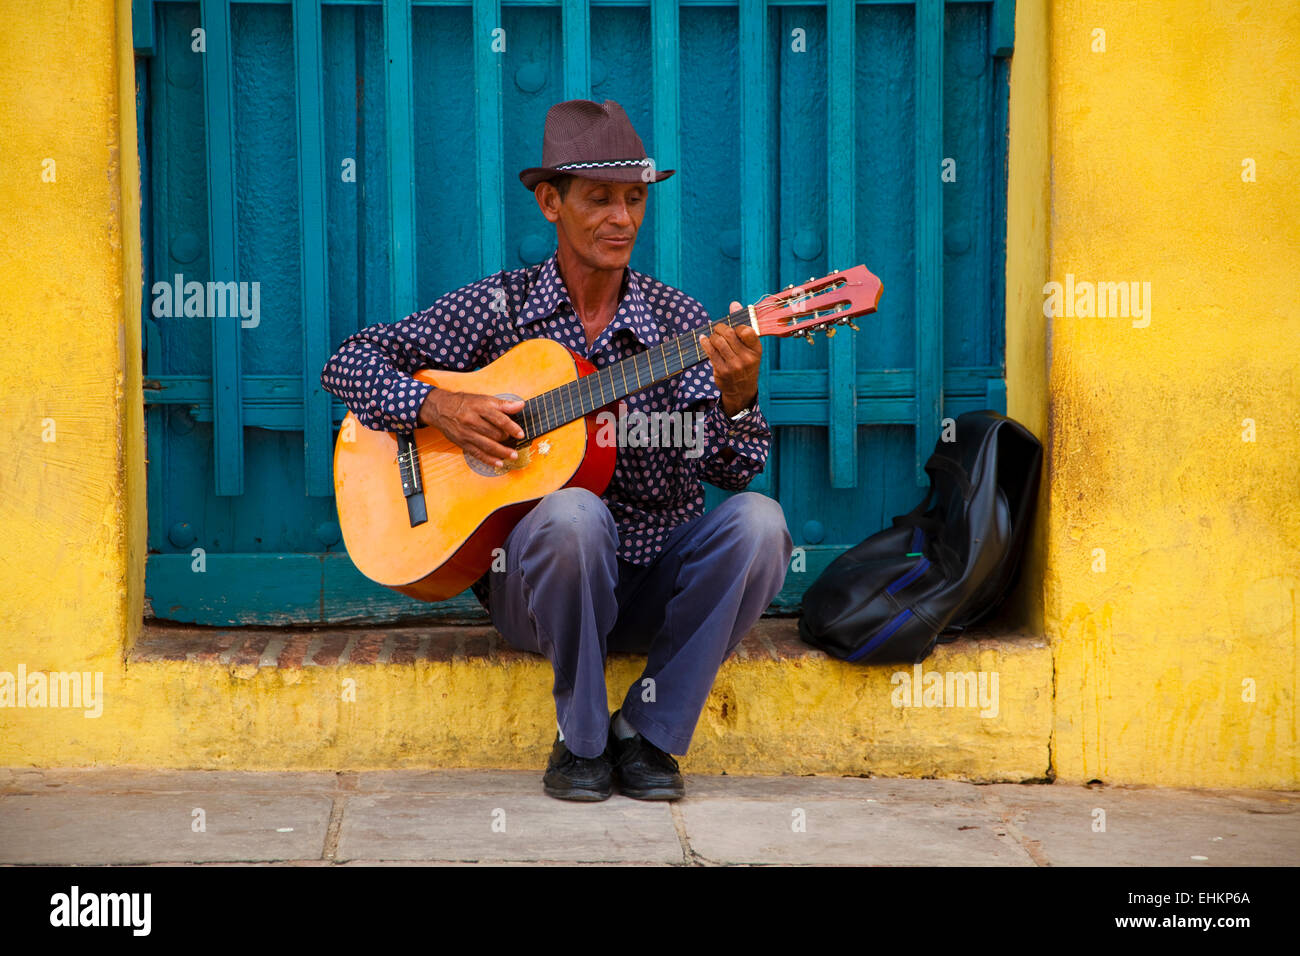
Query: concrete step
x: 978, y: 709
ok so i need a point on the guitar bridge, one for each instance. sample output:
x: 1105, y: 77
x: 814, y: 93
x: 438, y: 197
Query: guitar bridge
x: 408, y: 466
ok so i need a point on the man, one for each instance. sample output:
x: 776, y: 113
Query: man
x: 640, y: 567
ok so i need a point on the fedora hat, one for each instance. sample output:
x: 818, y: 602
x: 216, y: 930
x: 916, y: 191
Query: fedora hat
x: 594, y: 141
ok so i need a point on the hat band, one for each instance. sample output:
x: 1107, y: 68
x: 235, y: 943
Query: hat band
x: 610, y: 162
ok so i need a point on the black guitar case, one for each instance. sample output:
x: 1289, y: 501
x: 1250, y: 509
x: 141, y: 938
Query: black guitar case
x: 942, y: 567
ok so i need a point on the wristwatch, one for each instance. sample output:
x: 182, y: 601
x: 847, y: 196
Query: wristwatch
x: 743, y: 413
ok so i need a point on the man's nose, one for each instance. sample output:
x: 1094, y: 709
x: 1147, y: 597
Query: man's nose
x: 620, y: 213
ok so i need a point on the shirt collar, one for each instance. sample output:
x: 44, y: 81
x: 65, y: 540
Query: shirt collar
x: 548, y: 291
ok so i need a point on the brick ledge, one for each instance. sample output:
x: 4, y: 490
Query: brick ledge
x: 772, y: 639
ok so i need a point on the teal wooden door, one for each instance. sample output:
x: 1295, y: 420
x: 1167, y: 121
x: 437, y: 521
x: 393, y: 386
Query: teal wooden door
x: 314, y: 167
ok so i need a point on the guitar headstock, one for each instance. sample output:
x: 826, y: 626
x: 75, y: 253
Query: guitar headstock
x: 835, y: 299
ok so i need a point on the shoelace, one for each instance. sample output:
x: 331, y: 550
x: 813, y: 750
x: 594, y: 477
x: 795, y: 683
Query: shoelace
x: 572, y: 760
x: 656, y: 756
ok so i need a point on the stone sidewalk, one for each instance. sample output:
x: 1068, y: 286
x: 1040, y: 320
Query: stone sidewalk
x: 115, y: 816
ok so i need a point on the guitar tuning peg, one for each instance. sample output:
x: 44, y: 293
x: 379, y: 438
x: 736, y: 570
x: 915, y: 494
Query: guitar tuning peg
x: 830, y: 332
x: 807, y: 337
x: 853, y: 327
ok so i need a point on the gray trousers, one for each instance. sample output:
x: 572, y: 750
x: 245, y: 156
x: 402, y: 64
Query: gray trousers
x: 567, y: 595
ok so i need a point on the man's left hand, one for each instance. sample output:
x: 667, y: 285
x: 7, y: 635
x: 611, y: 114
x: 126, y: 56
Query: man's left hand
x: 735, y: 354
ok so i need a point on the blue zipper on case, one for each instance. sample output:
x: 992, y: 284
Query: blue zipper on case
x: 884, y: 635
x: 917, y: 570
x: 899, y: 619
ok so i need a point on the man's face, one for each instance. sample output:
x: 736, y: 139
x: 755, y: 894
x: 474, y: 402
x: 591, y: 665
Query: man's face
x: 597, y: 221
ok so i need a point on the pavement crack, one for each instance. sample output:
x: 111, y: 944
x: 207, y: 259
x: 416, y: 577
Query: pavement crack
x: 331, y: 850
x: 1032, y: 848
x: 689, y: 856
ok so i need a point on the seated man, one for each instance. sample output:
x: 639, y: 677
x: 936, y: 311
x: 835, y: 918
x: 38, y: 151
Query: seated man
x: 641, y: 567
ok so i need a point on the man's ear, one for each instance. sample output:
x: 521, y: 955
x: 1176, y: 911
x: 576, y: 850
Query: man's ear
x: 548, y: 200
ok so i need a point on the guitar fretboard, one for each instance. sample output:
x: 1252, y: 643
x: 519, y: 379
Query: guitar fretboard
x: 549, y: 410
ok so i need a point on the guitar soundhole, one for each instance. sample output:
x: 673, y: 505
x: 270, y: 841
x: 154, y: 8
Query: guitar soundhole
x: 483, y: 468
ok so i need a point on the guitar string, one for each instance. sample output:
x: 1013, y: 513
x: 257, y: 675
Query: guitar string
x: 557, y: 411
x: 574, y: 398
x: 559, y: 406
x: 450, y: 459
x: 553, y: 408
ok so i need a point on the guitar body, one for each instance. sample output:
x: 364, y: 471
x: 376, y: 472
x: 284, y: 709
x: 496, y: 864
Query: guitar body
x: 471, y: 507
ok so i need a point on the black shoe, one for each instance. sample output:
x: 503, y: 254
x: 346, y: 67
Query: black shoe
x: 570, y: 777
x: 643, y: 771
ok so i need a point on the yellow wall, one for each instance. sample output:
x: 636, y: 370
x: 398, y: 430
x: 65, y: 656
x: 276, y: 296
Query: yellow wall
x: 71, y: 509
x: 1124, y: 165
x: 1028, y: 220
x: 1200, y: 529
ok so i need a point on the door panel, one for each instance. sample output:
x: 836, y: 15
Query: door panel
x: 373, y: 167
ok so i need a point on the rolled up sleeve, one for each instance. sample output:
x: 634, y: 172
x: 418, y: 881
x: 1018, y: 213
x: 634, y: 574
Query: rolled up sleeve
x: 734, y: 452
x: 372, y: 370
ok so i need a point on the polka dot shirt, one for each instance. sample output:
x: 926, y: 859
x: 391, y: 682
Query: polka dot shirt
x: 653, y: 489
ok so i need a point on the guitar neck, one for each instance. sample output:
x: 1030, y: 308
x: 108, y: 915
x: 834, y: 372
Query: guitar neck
x: 581, y: 397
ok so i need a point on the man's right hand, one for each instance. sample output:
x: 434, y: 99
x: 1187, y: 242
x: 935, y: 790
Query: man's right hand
x: 476, y: 423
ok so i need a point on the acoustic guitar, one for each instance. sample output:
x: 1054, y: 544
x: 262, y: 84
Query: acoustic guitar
x: 423, y: 517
